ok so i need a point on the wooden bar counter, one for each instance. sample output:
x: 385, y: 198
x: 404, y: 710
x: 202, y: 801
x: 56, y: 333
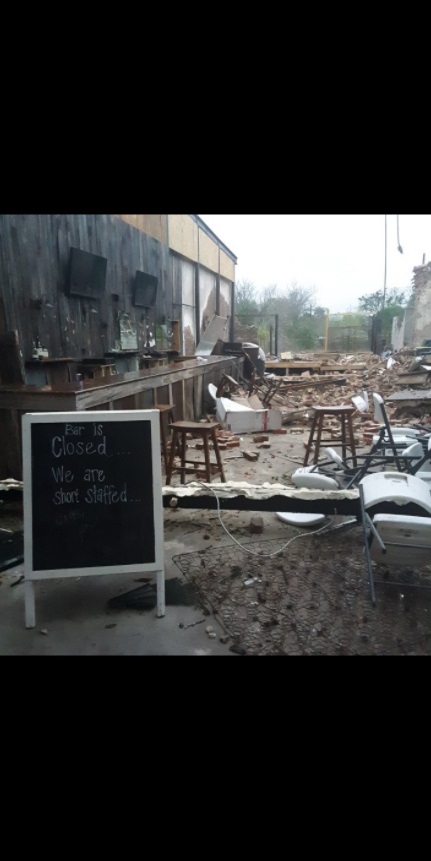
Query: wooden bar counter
x: 182, y: 383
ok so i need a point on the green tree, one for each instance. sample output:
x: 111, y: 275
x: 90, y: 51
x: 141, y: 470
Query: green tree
x: 372, y: 303
x: 386, y: 316
x: 269, y: 299
x: 303, y: 335
x: 319, y: 311
x: 348, y: 320
x: 245, y: 299
x: 394, y: 306
x: 300, y: 320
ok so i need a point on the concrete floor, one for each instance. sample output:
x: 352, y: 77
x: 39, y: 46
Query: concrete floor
x: 73, y: 616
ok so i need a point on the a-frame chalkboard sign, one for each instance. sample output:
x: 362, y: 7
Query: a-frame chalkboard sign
x: 92, y: 497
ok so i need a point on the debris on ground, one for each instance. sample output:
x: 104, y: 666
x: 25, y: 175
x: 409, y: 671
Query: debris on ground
x: 256, y: 524
x: 313, y: 599
x: 250, y: 455
x: 339, y: 380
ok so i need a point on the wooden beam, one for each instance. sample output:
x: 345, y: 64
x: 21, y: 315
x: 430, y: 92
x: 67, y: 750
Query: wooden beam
x: 243, y: 497
x: 246, y: 497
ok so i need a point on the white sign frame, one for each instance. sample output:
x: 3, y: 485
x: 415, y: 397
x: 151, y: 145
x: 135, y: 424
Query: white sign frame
x: 79, y: 417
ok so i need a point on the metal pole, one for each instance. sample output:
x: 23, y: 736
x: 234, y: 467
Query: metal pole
x: 386, y: 260
x: 366, y: 546
x: 276, y: 335
x: 326, y: 329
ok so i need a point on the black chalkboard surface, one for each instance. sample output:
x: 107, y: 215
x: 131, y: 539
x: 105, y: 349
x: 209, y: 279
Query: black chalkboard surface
x: 92, y: 497
x: 91, y: 493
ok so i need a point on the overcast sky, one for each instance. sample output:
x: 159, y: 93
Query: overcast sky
x: 342, y: 256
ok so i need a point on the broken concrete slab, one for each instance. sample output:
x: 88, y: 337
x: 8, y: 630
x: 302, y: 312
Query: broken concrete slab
x: 413, y: 396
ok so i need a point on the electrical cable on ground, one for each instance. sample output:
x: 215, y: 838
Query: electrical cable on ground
x: 253, y: 552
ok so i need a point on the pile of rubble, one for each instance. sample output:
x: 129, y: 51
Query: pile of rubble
x: 343, y: 377
x: 227, y: 442
x: 342, y: 380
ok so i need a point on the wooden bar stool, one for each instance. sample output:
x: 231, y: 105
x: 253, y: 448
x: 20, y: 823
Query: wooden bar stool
x: 346, y: 440
x: 206, y: 431
x: 166, y: 415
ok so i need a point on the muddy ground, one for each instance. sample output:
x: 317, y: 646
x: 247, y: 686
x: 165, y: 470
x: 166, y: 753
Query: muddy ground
x: 312, y: 598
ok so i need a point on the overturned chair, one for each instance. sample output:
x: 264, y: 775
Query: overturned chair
x: 397, y: 540
x: 390, y: 439
x: 392, y: 539
x: 337, y: 472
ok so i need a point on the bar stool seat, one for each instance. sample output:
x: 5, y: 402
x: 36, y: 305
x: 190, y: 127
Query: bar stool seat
x: 166, y: 416
x: 346, y: 440
x: 206, y: 431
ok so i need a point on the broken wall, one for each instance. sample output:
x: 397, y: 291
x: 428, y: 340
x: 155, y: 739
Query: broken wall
x: 421, y: 329
x: 398, y: 332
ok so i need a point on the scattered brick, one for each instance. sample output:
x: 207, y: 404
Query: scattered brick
x: 251, y: 455
x: 256, y: 524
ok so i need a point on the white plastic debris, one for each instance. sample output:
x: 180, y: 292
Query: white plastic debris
x: 359, y: 403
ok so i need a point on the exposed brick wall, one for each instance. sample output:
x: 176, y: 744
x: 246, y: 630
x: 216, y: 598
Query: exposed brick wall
x: 422, y: 306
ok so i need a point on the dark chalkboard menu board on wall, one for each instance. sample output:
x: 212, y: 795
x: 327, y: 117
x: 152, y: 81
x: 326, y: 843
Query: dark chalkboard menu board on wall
x: 92, y: 495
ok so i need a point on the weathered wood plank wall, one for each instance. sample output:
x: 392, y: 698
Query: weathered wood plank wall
x: 34, y: 259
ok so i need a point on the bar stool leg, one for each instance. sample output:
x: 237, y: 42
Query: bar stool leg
x: 320, y: 418
x: 163, y: 440
x: 352, y: 440
x: 171, y: 456
x: 343, y: 436
x: 310, y: 439
x: 207, y: 457
x: 183, y: 457
x: 217, y: 454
